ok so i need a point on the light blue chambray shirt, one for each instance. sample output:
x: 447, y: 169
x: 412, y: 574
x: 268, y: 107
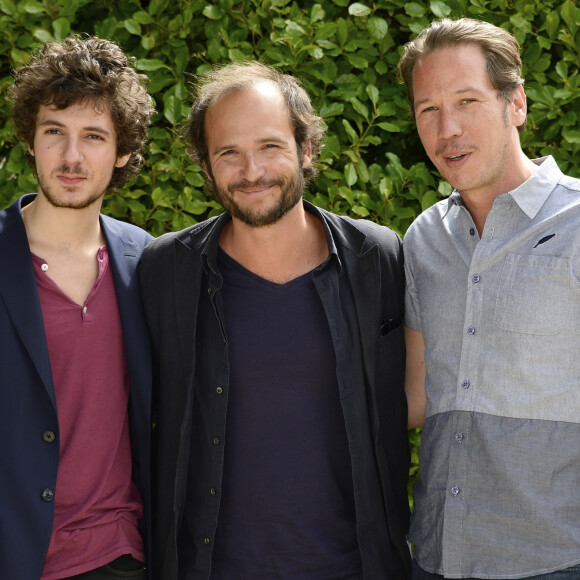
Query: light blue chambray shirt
x: 499, y: 494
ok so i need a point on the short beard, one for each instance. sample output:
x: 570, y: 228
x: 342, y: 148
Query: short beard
x: 68, y: 203
x: 291, y: 192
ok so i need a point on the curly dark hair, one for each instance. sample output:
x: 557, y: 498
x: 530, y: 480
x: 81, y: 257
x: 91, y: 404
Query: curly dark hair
x: 92, y: 70
x: 232, y: 78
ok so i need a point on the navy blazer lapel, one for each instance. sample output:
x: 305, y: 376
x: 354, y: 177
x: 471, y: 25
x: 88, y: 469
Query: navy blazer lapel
x: 124, y: 256
x: 19, y: 293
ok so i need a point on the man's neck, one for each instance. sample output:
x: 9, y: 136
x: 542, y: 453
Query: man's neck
x: 68, y: 241
x: 291, y: 247
x: 480, y: 202
x: 57, y: 228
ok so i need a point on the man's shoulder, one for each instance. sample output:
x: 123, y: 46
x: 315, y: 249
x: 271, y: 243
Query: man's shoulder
x: 125, y: 230
x: 570, y: 182
x: 191, y: 236
x: 350, y: 227
x: 429, y: 220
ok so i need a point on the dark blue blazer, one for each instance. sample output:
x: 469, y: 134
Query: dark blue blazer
x: 28, y: 457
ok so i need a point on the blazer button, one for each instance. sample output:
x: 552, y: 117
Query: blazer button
x: 47, y: 495
x: 49, y: 436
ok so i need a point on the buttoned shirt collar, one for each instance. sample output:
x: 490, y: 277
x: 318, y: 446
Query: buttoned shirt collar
x: 531, y: 194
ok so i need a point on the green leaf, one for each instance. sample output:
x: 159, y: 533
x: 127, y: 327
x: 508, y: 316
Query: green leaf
x: 387, y: 109
x: 415, y: 10
x: 43, y: 35
x: 30, y: 7
x: 360, y: 210
x: 350, y: 131
x: 133, y: 26
x: 150, y: 64
x: 571, y: 135
x: 213, y: 12
x: 552, y: 24
x: 358, y: 10
x: 157, y: 6
x: 350, y: 174
x: 342, y: 27
x: 317, y: 13
x: 316, y: 52
x: 429, y: 199
x: 148, y: 41
x: 390, y: 127
x: 360, y: 108
x: 142, y: 17
x: 356, y: 60
x: 172, y: 108
x: 440, y: 9
x: 61, y: 28
x: 373, y: 94
x: 562, y: 69
x: 377, y: 27
x: 7, y: 7
x: 294, y: 27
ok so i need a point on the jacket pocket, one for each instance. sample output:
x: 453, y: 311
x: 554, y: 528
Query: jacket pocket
x: 391, y: 336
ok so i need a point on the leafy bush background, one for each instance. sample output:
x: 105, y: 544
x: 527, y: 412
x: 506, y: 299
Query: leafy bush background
x: 373, y: 164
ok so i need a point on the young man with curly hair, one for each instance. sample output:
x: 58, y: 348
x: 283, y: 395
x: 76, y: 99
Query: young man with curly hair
x: 75, y: 384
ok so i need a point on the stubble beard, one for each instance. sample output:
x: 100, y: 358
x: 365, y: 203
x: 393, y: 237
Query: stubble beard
x: 69, y: 202
x: 291, y: 193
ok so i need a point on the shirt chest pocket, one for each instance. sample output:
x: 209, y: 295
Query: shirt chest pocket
x: 534, y: 294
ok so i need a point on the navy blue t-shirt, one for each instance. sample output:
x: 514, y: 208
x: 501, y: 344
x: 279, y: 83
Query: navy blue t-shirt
x: 287, y: 506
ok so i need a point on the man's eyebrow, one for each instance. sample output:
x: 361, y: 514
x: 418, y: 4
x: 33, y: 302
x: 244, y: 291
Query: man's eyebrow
x: 459, y: 92
x: 53, y: 123
x: 258, y: 141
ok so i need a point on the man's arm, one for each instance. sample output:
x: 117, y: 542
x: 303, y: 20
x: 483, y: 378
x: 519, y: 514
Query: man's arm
x: 415, y: 377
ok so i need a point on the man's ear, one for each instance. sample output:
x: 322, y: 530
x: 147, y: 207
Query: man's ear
x: 31, y: 151
x: 519, y: 106
x: 306, y: 154
x: 207, y: 169
x: 123, y: 160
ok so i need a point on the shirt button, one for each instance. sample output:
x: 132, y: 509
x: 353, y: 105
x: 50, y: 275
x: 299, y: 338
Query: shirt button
x: 455, y: 490
x: 471, y: 330
x: 44, y: 267
x: 206, y: 541
x: 213, y: 491
x: 84, y: 310
x: 216, y: 440
x: 49, y: 436
x: 466, y: 384
x: 209, y: 291
x: 471, y: 231
x: 219, y: 390
x: 459, y: 437
x: 476, y: 279
x: 47, y: 495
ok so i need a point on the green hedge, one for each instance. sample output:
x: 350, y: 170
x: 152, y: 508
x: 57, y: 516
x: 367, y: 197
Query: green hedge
x: 373, y: 164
